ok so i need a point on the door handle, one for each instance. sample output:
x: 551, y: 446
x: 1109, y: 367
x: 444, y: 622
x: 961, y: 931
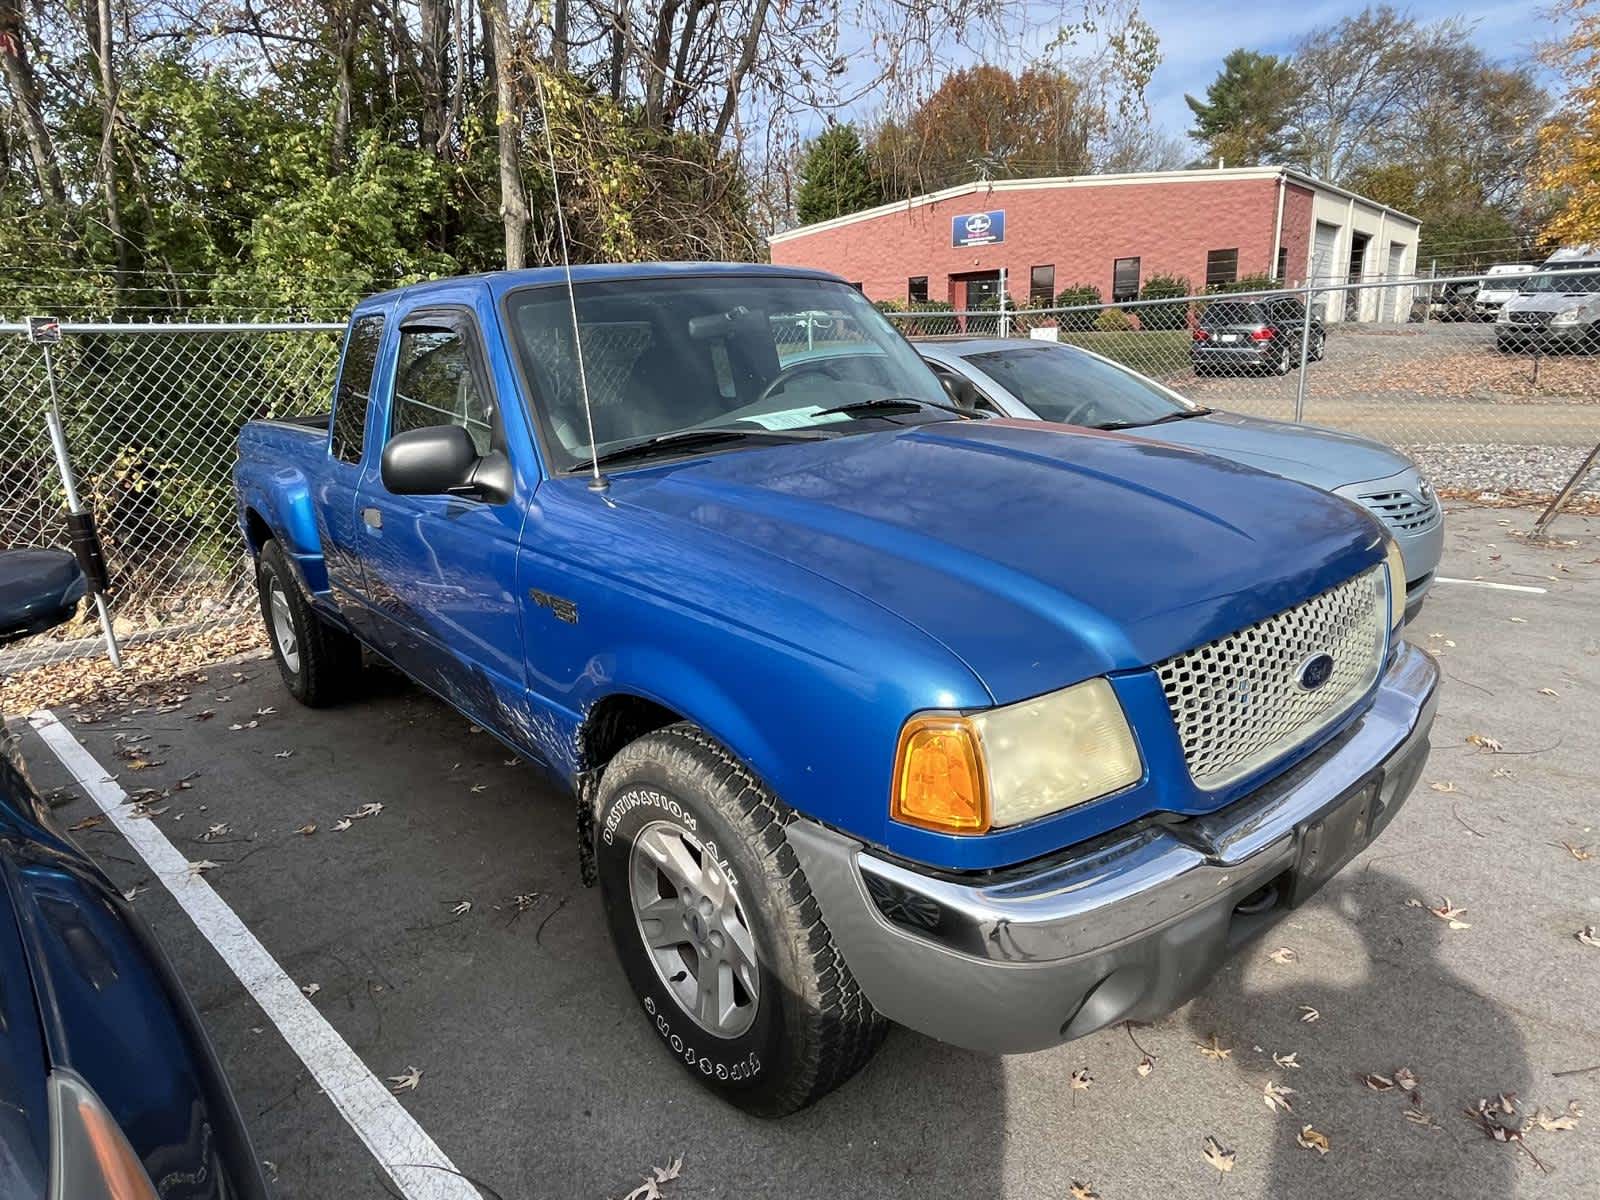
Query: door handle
x: 372, y: 518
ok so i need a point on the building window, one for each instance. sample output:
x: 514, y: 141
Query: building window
x: 1222, y: 266
x: 1124, y: 280
x: 917, y: 289
x: 1042, y: 286
x: 1282, y: 274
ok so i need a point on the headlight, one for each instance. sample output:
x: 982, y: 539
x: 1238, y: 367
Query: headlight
x: 1397, y: 583
x: 1004, y: 766
x: 90, y: 1158
x: 1570, y: 317
x: 1503, y: 317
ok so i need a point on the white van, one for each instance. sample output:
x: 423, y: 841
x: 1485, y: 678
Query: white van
x: 1498, y: 288
x: 1557, y: 306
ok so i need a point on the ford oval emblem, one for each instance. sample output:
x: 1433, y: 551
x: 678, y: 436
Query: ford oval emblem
x: 1315, y: 672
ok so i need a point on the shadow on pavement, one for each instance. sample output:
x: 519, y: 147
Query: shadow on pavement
x: 1404, y: 1008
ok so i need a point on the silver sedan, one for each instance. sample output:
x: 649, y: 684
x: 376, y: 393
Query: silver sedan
x: 1051, y: 381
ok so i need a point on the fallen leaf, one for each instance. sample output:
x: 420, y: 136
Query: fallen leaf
x: 462, y: 908
x: 307, y: 829
x: 1309, y: 1014
x: 342, y: 824
x: 1518, y: 620
x: 1378, y: 1083
x: 311, y: 989
x: 1288, y: 1060
x: 1581, y: 853
x: 1216, y: 1052
x: 1548, y: 692
x: 284, y: 754
x: 1284, y: 954
x: 1146, y: 1065
x: 1549, y: 1124
x: 205, y: 714
x: 407, y: 1082
x: 134, y: 893
x: 669, y: 1172
x: 1217, y: 1156
x: 1083, y: 1191
x: 1276, y: 1096
x: 144, y: 814
x: 1443, y: 786
x: 88, y: 822
x: 1450, y: 914
x: 1417, y: 1117
x: 200, y: 868
x: 370, y: 809
x: 1482, y: 742
x: 1312, y: 1140
x: 1405, y: 1080
x: 478, y: 787
x: 214, y: 832
x: 1081, y: 1079
x: 1588, y: 936
x: 265, y: 712
x: 1501, y: 773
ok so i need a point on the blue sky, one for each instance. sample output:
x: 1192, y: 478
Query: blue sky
x: 1196, y: 34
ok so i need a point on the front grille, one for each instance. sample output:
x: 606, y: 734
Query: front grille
x: 1402, y: 511
x: 1238, y: 702
x: 1531, y: 318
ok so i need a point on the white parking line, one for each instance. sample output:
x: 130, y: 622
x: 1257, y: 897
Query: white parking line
x: 1499, y: 587
x: 419, y: 1169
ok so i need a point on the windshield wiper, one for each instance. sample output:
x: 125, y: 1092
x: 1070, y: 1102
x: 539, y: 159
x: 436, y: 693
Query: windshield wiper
x: 679, y: 438
x: 1181, y: 415
x: 899, y: 403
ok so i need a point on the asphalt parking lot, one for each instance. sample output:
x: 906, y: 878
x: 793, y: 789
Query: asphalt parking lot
x: 539, y: 1078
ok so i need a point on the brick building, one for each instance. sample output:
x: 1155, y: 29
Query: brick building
x: 1116, y: 232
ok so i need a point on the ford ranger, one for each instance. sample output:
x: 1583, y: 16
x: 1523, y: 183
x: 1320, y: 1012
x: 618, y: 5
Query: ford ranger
x: 843, y: 753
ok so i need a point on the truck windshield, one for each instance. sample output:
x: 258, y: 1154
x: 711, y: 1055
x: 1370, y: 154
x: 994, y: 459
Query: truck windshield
x: 701, y: 352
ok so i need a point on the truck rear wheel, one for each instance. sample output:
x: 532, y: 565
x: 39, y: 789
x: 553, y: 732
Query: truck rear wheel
x: 317, y: 661
x: 717, y: 930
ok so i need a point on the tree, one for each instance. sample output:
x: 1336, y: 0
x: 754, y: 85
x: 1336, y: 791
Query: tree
x: 1248, y: 114
x: 1569, y: 142
x: 835, y: 176
x: 984, y: 122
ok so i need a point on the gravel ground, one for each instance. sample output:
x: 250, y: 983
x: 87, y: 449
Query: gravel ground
x: 1502, y: 466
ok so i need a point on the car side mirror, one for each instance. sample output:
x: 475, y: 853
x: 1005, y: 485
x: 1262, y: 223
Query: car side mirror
x: 39, y: 589
x: 963, y: 392
x: 441, y: 460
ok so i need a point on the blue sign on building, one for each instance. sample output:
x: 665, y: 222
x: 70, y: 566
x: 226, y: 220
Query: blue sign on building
x: 978, y: 229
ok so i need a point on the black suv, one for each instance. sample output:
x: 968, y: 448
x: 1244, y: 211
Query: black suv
x: 1262, y: 333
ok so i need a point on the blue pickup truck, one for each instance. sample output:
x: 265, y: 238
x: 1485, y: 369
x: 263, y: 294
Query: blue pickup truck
x: 843, y: 752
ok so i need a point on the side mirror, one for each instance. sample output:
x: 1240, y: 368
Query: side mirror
x: 963, y: 392
x: 437, y: 460
x: 39, y: 589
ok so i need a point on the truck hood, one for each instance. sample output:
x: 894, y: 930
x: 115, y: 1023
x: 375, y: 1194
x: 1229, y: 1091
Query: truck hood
x: 1038, y: 554
x: 1550, y: 302
x: 1324, y: 458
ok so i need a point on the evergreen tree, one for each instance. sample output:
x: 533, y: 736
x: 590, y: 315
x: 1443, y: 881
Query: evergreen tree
x: 835, y: 178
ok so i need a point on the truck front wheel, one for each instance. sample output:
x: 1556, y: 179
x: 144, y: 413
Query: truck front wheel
x: 317, y: 661
x: 717, y: 930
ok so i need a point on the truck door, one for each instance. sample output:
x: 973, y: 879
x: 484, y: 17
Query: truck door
x: 335, y: 488
x: 440, y: 571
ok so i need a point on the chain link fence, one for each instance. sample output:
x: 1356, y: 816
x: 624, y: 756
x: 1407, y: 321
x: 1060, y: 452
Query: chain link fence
x: 152, y: 413
x: 1484, y: 405
x: 151, y: 416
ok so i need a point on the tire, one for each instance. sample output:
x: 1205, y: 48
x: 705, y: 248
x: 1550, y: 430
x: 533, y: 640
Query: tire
x: 1286, y: 362
x: 1319, y: 347
x: 318, y: 662
x: 675, y: 802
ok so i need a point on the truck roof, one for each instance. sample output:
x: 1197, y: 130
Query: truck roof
x: 500, y: 282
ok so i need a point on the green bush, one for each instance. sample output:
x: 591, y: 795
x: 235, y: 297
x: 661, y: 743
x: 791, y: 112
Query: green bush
x: 931, y: 325
x: 1113, y: 320
x: 1247, y: 283
x: 1073, y: 296
x: 1164, y: 316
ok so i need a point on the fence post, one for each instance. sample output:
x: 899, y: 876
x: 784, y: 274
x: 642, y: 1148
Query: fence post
x: 1005, y: 313
x: 46, y: 332
x: 1305, y: 346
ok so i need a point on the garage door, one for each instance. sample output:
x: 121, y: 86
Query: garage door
x: 1389, y: 303
x: 1323, y: 248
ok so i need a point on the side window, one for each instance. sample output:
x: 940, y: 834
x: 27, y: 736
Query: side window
x: 354, y: 393
x: 434, y: 384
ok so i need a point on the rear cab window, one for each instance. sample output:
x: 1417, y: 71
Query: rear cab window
x: 353, y: 395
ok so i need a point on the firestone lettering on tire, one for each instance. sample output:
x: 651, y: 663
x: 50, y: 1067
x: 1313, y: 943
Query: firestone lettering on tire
x: 746, y: 1068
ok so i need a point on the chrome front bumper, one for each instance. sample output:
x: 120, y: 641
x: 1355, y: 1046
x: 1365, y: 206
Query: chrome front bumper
x: 1128, y: 926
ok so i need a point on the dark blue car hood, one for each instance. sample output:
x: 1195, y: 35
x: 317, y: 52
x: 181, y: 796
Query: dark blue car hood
x: 1039, y: 554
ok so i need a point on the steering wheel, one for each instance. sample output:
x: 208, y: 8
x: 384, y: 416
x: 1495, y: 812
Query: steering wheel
x: 1085, y: 413
x: 793, y: 371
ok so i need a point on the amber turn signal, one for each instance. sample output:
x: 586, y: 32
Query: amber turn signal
x: 939, y: 778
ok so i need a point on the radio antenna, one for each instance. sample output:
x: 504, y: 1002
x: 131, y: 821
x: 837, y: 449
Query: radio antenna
x: 597, y: 481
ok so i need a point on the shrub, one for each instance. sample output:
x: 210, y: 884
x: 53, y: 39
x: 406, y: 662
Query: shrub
x: 1164, y: 316
x: 1247, y: 283
x: 931, y: 325
x: 1069, y: 297
x: 888, y: 306
x: 1113, y: 320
